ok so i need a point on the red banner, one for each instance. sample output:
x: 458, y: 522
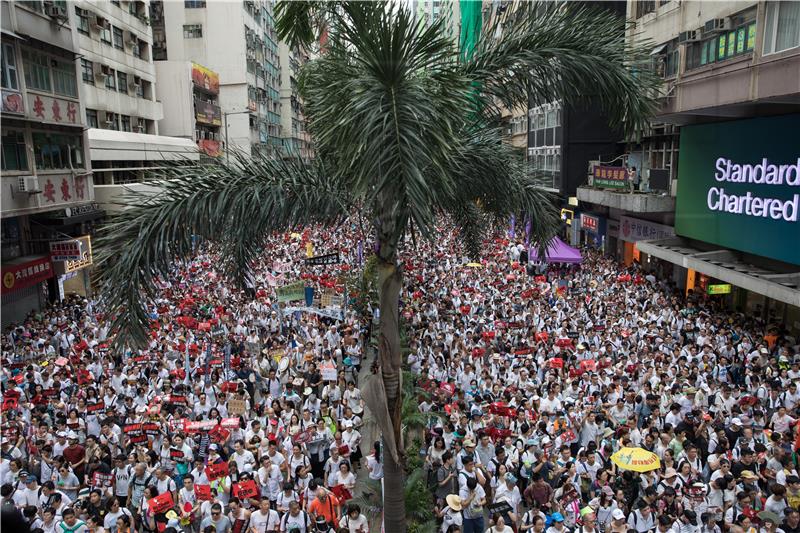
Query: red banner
x: 245, y: 489
x: 216, y: 471
x: 161, y: 503
x: 203, y: 492
x: 23, y: 275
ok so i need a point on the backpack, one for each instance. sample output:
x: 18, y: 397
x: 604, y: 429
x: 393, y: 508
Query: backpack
x: 286, y: 517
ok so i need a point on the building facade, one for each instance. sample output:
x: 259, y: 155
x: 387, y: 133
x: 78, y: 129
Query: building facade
x: 120, y: 94
x: 296, y: 140
x: 237, y: 40
x: 48, y: 191
x: 709, y: 165
x: 449, y: 11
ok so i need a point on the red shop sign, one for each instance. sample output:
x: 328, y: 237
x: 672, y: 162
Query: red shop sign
x: 23, y: 275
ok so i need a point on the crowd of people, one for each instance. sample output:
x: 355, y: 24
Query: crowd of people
x: 243, y: 416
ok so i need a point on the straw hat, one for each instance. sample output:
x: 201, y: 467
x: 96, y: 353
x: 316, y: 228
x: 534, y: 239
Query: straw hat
x: 454, y: 502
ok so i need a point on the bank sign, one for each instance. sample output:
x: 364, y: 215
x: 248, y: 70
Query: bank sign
x: 739, y: 186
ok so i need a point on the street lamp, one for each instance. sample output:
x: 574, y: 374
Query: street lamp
x: 225, y: 119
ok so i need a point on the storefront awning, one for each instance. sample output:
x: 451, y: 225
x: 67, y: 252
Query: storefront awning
x: 112, y: 145
x: 726, y: 265
x: 658, y: 49
x: 561, y: 252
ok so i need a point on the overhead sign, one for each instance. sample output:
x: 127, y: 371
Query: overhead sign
x: 739, y: 186
x: 723, y: 288
x: 74, y: 265
x: 19, y: 276
x: 319, y: 260
x: 607, y: 177
x: 589, y: 222
x: 66, y: 250
x: 291, y: 292
x: 635, y: 230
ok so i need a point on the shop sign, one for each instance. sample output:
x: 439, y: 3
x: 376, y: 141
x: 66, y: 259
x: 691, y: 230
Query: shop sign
x: 205, y: 79
x: 65, y: 250
x: 739, y: 186
x: 81, y: 210
x: 612, y: 228
x: 589, y: 222
x: 207, y: 113
x: 86, y: 258
x: 53, y: 109
x: 23, y: 275
x: 723, y: 288
x: 210, y: 147
x: 606, y: 177
x: 635, y: 230
x: 13, y: 103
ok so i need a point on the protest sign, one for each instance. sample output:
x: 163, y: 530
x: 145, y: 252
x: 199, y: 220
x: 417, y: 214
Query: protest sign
x: 161, y: 503
x: 237, y: 407
x: 100, y: 480
x: 245, y: 489
x: 321, y: 260
x: 203, y: 492
x: 293, y: 291
x: 216, y: 471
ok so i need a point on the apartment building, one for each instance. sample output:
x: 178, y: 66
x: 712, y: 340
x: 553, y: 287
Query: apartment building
x: 190, y: 95
x: 428, y: 11
x: 730, y: 100
x: 48, y: 190
x: 237, y: 40
x: 119, y: 89
x: 296, y: 140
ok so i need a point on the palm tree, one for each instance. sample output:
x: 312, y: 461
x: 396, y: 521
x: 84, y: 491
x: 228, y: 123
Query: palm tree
x: 406, y: 132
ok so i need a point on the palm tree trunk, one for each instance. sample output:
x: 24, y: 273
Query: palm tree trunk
x: 390, y: 281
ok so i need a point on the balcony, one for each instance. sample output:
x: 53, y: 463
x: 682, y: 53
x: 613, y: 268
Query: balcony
x: 638, y: 202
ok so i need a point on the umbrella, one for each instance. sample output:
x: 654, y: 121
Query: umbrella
x: 636, y: 459
x: 474, y: 265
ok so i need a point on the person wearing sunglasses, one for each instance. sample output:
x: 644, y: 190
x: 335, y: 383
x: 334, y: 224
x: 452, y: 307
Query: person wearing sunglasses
x: 219, y: 521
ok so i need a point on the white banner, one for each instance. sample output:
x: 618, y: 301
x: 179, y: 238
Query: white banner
x: 332, y: 312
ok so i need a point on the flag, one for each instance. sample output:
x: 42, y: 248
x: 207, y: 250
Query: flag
x: 227, y: 359
x: 208, y: 365
x: 528, y: 233
x: 512, y: 227
x: 186, y: 365
x: 360, y: 252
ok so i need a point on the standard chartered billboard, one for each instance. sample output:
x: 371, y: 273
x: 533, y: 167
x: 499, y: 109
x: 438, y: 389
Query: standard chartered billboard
x: 739, y: 185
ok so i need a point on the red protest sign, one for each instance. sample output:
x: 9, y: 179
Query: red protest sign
x: 556, y: 362
x: 230, y: 423
x: 216, y: 471
x: 174, y: 453
x: 101, y: 480
x: 589, y: 365
x: 138, y: 439
x: 96, y: 407
x: 203, y: 492
x: 151, y: 429
x: 132, y: 428
x: 230, y: 386
x: 161, y: 503
x: 245, y: 489
x: 219, y: 434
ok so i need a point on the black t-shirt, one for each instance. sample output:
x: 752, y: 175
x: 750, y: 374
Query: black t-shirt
x: 738, y: 467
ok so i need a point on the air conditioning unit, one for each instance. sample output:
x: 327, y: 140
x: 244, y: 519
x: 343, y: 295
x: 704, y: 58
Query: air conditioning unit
x: 101, y: 72
x: 717, y: 25
x: 28, y: 184
x: 56, y: 11
x: 131, y: 38
x: 690, y: 36
x: 135, y: 82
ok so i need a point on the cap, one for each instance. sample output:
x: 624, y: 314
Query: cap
x: 557, y: 517
x: 670, y: 472
x: 468, y: 443
x: 72, y: 435
x: 617, y: 514
x: 736, y: 421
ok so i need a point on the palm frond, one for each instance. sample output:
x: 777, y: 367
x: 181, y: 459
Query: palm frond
x: 559, y: 50
x: 236, y: 204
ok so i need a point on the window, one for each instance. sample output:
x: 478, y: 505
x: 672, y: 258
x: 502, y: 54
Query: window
x: 192, y: 31
x: 64, y: 79
x: 122, y: 82
x: 781, y: 26
x: 136, y: 50
x: 111, y: 80
x: 105, y: 33
x: 14, y: 153
x: 83, y: 20
x: 37, y: 70
x: 126, y: 123
x: 671, y: 61
x: 140, y: 89
x: 54, y: 151
x: 9, y: 66
x: 87, y: 71
x: 118, y: 37
x: 194, y: 4
x: 112, y: 121
x: 116, y: 3
x: 91, y: 118
x: 728, y: 44
x: 133, y: 9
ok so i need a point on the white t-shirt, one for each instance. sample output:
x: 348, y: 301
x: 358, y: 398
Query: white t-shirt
x: 265, y: 522
x: 352, y: 524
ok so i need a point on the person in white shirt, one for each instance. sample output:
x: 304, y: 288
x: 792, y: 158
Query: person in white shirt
x: 244, y: 458
x: 265, y: 520
x: 353, y: 521
x: 781, y: 422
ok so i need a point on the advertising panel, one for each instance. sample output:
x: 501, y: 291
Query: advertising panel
x: 606, y: 177
x: 739, y: 186
x: 205, y: 79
